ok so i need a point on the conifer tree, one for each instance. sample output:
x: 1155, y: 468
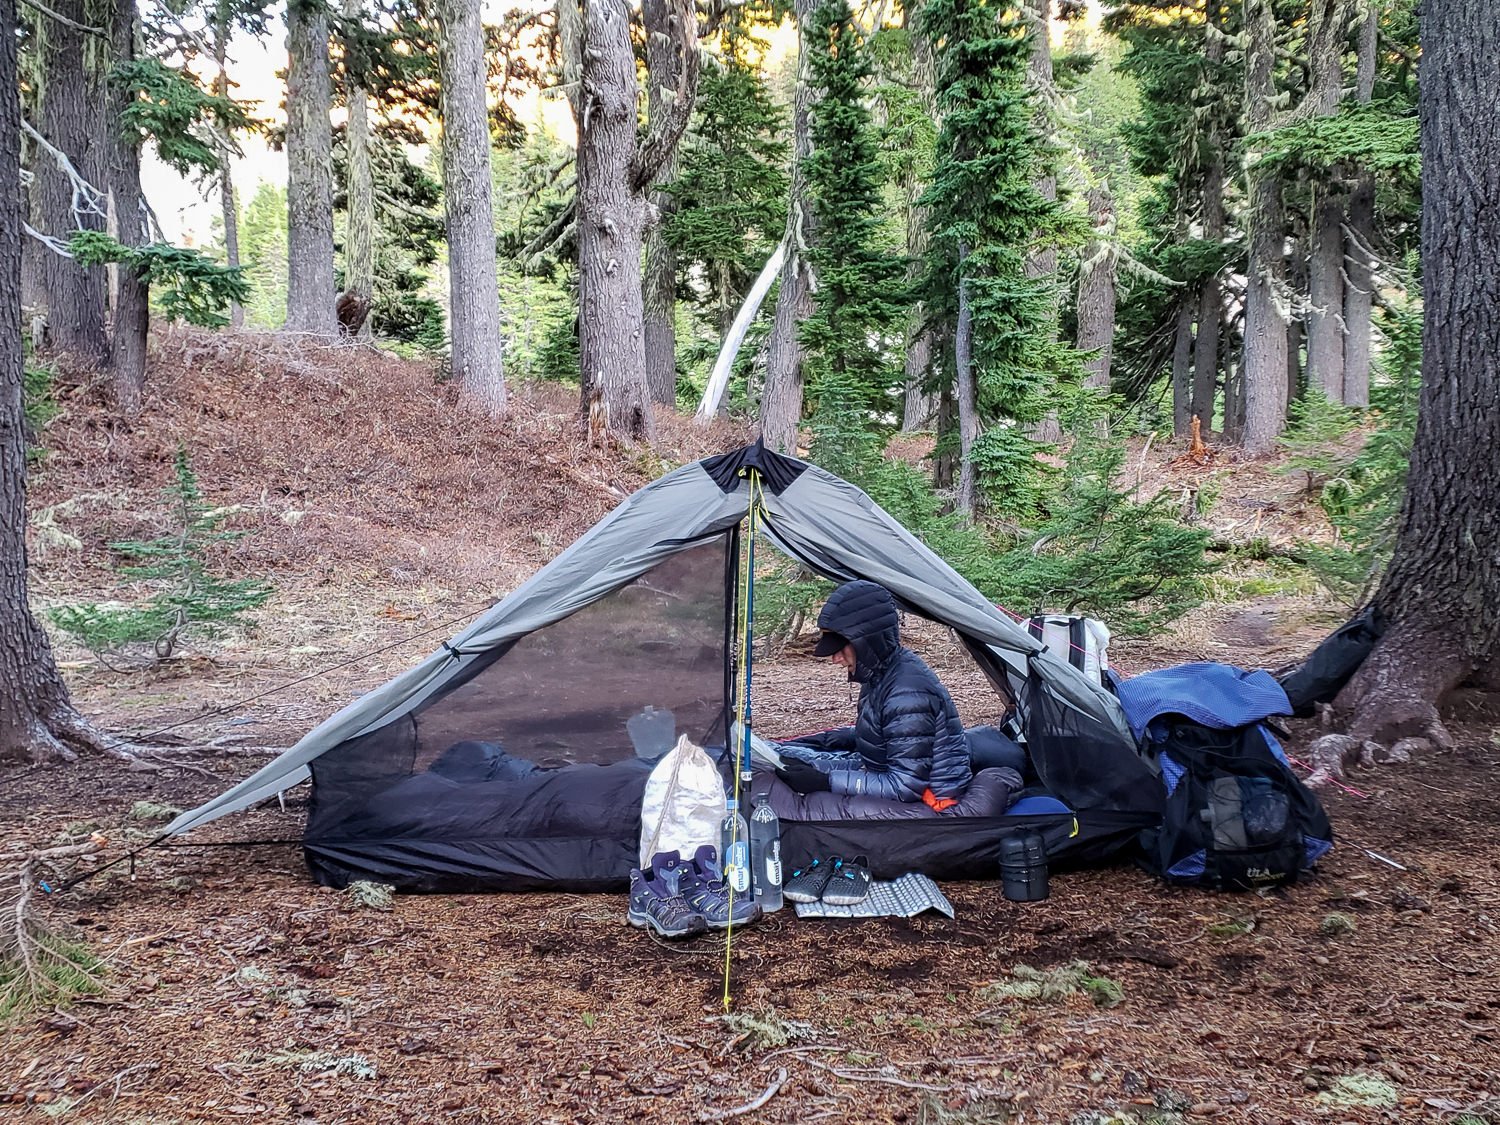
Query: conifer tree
x: 986, y: 212
x: 730, y: 193
x: 853, y: 376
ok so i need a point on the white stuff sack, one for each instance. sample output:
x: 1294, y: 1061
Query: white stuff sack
x: 684, y: 802
x: 1081, y: 641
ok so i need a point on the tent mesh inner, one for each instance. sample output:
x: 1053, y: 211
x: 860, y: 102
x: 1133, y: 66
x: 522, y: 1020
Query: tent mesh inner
x: 532, y: 739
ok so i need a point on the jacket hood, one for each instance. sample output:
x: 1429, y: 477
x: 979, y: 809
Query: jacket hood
x: 865, y: 614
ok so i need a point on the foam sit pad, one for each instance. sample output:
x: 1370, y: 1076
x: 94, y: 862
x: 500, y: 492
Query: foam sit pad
x: 905, y: 897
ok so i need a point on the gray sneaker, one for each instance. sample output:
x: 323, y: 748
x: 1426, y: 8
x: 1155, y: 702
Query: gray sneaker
x: 703, y: 889
x: 655, y: 902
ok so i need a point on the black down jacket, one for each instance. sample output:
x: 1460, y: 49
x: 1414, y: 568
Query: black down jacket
x: 908, y: 734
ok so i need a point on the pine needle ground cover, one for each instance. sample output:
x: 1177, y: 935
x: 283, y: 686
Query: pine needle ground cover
x: 240, y: 990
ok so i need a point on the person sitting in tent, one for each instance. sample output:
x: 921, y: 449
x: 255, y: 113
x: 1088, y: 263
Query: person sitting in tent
x: 908, y: 742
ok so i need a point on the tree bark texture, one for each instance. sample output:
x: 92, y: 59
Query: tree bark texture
x: 31, y: 691
x: 1266, y: 300
x: 659, y: 283
x: 473, y: 286
x: 132, y: 312
x: 359, y: 235
x: 967, y: 395
x: 1328, y: 26
x: 1096, y: 291
x: 309, y: 155
x: 1359, y: 256
x: 1182, y: 366
x: 1441, y: 592
x: 781, y: 400
x: 227, y: 207
x: 71, y: 108
x: 611, y: 220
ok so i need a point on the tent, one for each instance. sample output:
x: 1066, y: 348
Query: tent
x: 502, y: 760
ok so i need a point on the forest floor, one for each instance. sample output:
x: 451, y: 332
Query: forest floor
x: 235, y: 989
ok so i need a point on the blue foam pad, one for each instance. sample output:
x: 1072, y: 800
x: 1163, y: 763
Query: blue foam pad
x: 1037, y: 806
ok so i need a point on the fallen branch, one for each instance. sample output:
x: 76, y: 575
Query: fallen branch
x: 751, y: 1106
x: 887, y: 1079
x: 27, y: 942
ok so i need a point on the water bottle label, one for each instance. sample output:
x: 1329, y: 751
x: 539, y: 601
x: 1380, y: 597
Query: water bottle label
x: 737, y: 870
x: 773, y: 865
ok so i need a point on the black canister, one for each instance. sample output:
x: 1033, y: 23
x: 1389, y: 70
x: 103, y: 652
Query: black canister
x: 1023, y: 868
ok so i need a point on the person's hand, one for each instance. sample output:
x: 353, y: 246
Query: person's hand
x: 803, y: 777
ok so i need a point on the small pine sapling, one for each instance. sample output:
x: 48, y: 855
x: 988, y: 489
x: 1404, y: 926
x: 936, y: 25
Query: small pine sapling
x: 188, y: 599
x: 1104, y: 552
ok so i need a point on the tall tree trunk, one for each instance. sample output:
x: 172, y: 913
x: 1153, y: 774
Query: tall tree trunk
x: 227, y: 205
x: 32, y: 694
x: 33, y: 266
x: 1096, y: 291
x: 968, y: 396
x: 1210, y: 298
x: 1206, y: 355
x: 1266, y: 304
x: 473, y: 286
x: 611, y: 220
x: 71, y: 111
x: 1325, y: 266
x: 1234, y: 399
x: 1359, y: 256
x: 309, y: 155
x: 132, y: 312
x: 659, y: 285
x: 1182, y: 366
x: 947, y: 423
x: 359, y: 235
x: 1042, y: 262
x: 1325, y: 294
x: 1441, y: 592
x: 919, y: 403
x: 1297, y: 272
x: 781, y: 400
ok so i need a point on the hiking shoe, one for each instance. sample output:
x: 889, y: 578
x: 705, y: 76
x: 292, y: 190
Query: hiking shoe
x: 702, y: 887
x: 849, y: 883
x: 654, y: 902
x: 806, y: 883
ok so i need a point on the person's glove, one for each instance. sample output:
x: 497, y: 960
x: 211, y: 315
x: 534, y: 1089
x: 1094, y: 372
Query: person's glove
x: 803, y: 777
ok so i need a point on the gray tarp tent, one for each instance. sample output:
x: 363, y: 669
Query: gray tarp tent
x: 826, y: 523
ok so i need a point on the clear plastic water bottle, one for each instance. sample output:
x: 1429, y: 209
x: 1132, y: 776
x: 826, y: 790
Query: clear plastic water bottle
x: 765, y: 853
x: 734, y: 849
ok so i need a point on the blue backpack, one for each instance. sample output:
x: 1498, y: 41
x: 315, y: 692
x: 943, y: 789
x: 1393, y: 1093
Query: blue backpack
x: 1236, y: 817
